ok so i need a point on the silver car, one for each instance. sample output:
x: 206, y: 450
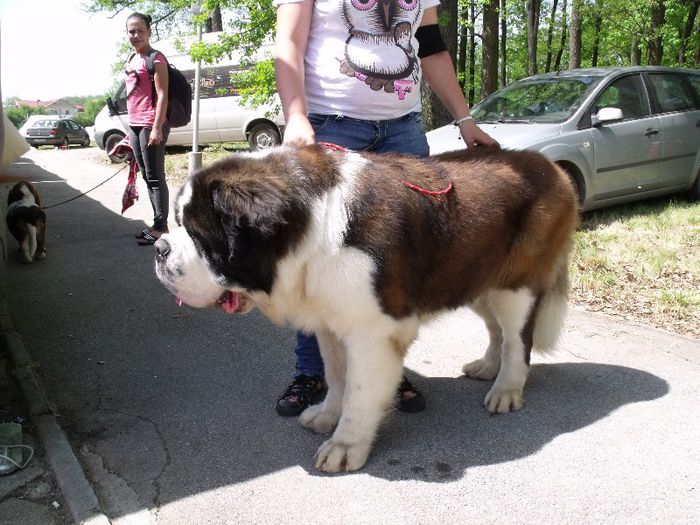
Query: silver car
x: 623, y: 134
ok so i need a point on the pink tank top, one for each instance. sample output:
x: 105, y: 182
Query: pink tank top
x: 140, y: 107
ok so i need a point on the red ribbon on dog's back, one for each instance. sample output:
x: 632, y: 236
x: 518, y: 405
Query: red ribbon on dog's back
x: 432, y: 193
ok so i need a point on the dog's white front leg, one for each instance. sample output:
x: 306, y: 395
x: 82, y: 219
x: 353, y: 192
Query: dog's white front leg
x: 323, y: 417
x: 374, y: 367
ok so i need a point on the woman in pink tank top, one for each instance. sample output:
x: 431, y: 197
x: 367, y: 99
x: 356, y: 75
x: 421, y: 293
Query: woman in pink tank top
x: 147, y: 104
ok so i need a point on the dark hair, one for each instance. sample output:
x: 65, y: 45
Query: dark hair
x: 146, y: 18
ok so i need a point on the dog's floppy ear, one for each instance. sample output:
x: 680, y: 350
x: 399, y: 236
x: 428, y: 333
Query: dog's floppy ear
x: 249, y: 204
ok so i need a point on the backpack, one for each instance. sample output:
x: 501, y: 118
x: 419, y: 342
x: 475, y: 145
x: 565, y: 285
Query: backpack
x: 179, y: 93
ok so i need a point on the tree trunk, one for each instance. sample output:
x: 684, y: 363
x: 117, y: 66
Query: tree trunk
x: 472, y: 55
x: 214, y: 22
x: 550, y: 36
x: 489, y: 49
x: 439, y: 116
x: 687, y: 30
x: 504, y: 33
x: 596, y: 37
x: 562, y: 43
x: 635, y: 52
x: 575, y: 35
x: 696, y: 61
x: 532, y: 8
x: 658, y: 17
x: 462, y: 49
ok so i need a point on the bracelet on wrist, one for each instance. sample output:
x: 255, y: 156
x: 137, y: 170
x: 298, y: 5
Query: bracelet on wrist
x: 459, y: 121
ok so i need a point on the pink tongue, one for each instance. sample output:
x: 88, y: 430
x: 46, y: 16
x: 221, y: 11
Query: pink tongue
x: 230, y: 303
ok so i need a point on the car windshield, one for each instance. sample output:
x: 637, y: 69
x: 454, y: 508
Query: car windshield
x: 543, y: 100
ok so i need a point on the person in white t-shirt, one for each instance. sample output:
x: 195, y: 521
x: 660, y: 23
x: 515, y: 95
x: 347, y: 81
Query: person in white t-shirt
x: 349, y: 73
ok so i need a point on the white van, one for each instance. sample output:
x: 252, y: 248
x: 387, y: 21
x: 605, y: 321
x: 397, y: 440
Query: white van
x: 222, y: 116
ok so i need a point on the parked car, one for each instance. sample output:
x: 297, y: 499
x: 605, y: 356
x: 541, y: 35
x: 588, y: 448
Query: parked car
x: 622, y: 134
x: 57, y: 132
x: 31, y: 120
x: 222, y: 115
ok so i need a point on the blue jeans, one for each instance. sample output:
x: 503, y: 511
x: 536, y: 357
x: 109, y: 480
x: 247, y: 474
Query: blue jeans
x: 401, y: 135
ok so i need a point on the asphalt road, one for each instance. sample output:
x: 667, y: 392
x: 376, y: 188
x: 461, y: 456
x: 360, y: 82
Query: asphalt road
x: 170, y: 410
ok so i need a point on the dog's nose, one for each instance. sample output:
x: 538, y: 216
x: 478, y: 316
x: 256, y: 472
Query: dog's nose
x: 162, y: 248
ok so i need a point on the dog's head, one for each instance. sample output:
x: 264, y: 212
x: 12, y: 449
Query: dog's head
x: 236, y: 220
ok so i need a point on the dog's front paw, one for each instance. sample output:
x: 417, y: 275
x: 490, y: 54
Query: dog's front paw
x: 319, y: 420
x: 504, y: 400
x: 333, y: 456
x: 40, y: 256
x: 482, y: 369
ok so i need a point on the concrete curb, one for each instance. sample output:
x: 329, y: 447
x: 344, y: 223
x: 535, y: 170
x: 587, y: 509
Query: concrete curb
x: 76, y: 489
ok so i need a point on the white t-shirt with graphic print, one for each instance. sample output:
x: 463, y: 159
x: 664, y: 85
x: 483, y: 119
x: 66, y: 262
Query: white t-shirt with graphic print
x: 362, y: 57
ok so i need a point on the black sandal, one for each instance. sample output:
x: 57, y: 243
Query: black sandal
x: 148, y: 239
x: 142, y: 234
x: 409, y: 398
x: 299, y: 395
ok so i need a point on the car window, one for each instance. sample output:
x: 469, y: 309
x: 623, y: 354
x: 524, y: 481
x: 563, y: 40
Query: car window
x: 120, y: 99
x: 72, y: 124
x: 217, y: 81
x: 549, y: 99
x: 626, y: 93
x: 672, y: 93
x: 694, y: 82
x: 44, y: 123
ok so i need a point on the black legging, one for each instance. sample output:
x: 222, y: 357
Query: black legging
x: 151, y: 160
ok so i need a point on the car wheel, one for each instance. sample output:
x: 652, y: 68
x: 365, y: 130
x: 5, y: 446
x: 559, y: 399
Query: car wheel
x: 694, y: 191
x: 86, y: 142
x: 112, y: 141
x: 263, y: 136
x: 577, y: 180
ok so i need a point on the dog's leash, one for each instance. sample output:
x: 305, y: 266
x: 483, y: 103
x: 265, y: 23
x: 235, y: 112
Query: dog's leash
x: 410, y: 186
x: 88, y: 191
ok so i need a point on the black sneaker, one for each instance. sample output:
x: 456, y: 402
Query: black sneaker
x: 409, y: 398
x: 299, y: 395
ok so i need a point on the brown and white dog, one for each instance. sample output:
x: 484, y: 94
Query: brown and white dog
x: 26, y: 221
x: 360, y: 249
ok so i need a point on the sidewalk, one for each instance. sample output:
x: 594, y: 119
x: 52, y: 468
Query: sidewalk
x: 146, y: 412
x: 52, y: 488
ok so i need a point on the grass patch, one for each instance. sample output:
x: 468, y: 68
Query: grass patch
x: 177, y: 159
x: 638, y: 261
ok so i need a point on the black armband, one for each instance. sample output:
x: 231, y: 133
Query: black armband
x: 429, y: 40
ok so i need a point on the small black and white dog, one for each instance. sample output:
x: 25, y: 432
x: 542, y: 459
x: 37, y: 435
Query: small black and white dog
x: 26, y: 221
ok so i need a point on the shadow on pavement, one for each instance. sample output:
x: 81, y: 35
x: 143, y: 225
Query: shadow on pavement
x: 174, y: 401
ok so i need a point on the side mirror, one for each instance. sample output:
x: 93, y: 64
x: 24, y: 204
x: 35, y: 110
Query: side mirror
x: 111, y: 107
x: 606, y: 115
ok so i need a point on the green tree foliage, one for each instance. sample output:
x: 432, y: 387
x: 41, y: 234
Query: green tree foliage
x: 91, y: 108
x: 610, y: 31
x: 19, y: 116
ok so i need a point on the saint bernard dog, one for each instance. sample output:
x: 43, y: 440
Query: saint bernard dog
x: 26, y: 221
x: 360, y: 248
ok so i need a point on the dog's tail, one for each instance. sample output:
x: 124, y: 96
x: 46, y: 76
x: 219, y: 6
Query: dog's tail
x: 552, y: 308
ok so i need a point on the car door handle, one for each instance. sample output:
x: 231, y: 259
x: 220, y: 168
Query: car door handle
x: 651, y: 131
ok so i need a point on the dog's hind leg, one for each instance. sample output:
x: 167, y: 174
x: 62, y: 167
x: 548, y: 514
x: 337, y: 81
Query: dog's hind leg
x: 374, y: 368
x: 27, y: 244
x: 31, y: 245
x: 40, y: 251
x: 322, y: 418
x: 514, y: 311
x: 487, y: 367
